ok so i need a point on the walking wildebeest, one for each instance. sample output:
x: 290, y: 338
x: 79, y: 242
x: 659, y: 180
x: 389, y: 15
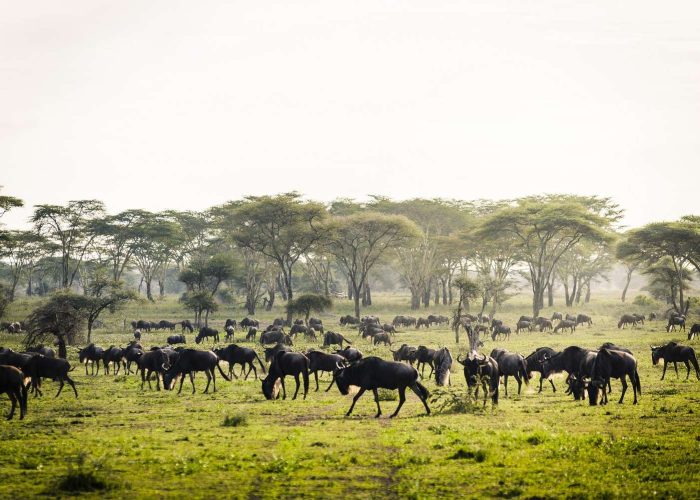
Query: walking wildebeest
x: 323, y: 362
x: 613, y: 364
x: 252, y: 332
x: 177, y: 339
x: 91, y: 354
x: 167, y: 325
x: 236, y: 355
x: 154, y: 361
x: 374, y: 373
x: 499, y: 330
x: 482, y: 370
x: 534, y: 364
x: 186, y: 325
x: 39, y: 367
x: 332, y: 338
x: 350, y: 353
x: 564, y: 324
x: 694, y: 331
x: 404, y: 353
x: 274, y: 337
x: 12, y: 384
x: 582, y: 318
x: 283, y: 364
x: 674, y: 353
x: 556, y: 315
x: 422, y: 322
x: 568, y: 360
x: 627, y: 319
x: 190, y: 361
x: 206, y: 332
x: 425, y: 355
x: 523, y: 325
x: 675, y: 321
x: 113, y: 355
x: 248, y: 322
x: 511, y: 364
x: 349, y: 320
x: 442, y: 361
x: 545, y: 324
x: 381, y: 337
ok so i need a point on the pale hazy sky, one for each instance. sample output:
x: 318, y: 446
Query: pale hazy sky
x: 167, y: 104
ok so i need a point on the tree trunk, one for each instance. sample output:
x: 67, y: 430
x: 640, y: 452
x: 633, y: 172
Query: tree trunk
x: 415, y: 299
x: 449, y: 291
x: 627, y: 284
x: 161, y: 288
x: 149, y: 296
x: 356, y: 300
x: 458, y: 319
x: 436, y: 296
x: 588, y: 293
x: 350, y: 292
x: 30, y: 292
x: 281, y: 288
x: 444, y: 293
x: 367, y: 294
x: 206, y: 318
x: 426, y: 294
x: 550, y: 293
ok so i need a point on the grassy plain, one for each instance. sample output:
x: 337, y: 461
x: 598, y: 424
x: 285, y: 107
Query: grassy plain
x: 234, y: 443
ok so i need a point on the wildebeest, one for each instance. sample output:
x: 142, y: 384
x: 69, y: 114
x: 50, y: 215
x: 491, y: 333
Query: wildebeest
x: 349, y: 320
x: 333, y: 338
x: 252, y: 333
x: 43, y: 350
x: 350, y: 353
x: 274, y: 337
x: 425, y: 355
x: 389, y: 328
x: 186, y: 325
x: 236, y: 355
x: 12, y: 384
x: 404, y: 353
x: 206, y: 332
x: 283, y: 364
x: 556, y: 316
x: 369, y: 330
x: 438, y: 319
x: 316, y: 324
x: 113, y: 355
x: 674, y: 353
x: 582, y: 318
x: 39, y: 367
x: 167, y: 325
x: 495, y: 322
x: 545, y: 324
x: 137, y: 335
x: 12, y: 358
x: 627, y: 319
x: 270, y: 352
x: 323, y: 362
x: 511, y: 364
x: 570, y: 317
x: 177, y: 339
x: 639, y: 317
x: 91, y: 354
x: 534, y: 364
x: 190, y: 361
x: 529, y: 319
x: 694, y: 331
x: 613, y: 364
x: 229, y: 333
x: 652, y: 316
x: 132, y: 352
x: 500, y: 330
x: 373, y: 373
x: 154, y: 361
x: 523, y: 325
x: 442, y: 361
x: 422, y: 322
x: 565, y: 324
x: 481, y: 369
x: 381, y: 337
x: 248, y: 322
x: 568, y: 360
x: 675, y: 321
x: 230, y: 322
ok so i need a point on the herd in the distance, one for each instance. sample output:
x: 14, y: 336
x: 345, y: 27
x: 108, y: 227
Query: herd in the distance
x: 589, y: 371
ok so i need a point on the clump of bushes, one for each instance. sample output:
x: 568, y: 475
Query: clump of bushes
x: 84, y: 475
x: 237, y: 420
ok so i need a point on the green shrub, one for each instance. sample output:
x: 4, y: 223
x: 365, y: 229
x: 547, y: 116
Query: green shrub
x: 237, y: 420
x: 643, y: 301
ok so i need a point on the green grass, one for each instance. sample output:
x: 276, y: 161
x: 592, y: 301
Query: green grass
x: 116, y: 440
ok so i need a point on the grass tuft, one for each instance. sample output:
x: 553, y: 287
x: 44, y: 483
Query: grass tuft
x: 237, y: 420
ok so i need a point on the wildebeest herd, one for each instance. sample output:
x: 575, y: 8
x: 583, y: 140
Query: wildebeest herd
x: 589, y: 371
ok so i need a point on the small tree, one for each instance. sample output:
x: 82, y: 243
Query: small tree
x: 200, y: 302
x: 64, y: 316
x: 468, y: 289
x: 305, y: 304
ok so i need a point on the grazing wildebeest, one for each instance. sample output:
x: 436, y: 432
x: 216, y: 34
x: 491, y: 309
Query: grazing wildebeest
x: 577, y: 380
x: 167, y: 325
x: 91, y: 354
x: 190, y: 361
x: 316, y: 324
x: 523, y: 325
x: 381, y: 337
x: 113, y: 355
x: 349, y: 320
x: 236, y: 355
x: 229, y: 333
x: 511, y: 364
x: 694, y: 331
x: 639, y: 317
x: 556, y: 315
x: 132, y: 352
x: 582, y: 318
x: 529, y: 319
x: 404, y: 353
x: 674, y: 353
x: 425, y: 355
x: 568, y: 360
x: 499, y: 330
x: 252, y: 332
x: 12, y: 384
x: 613, y: 364
x: 177, y: 339
x: 675, y: 321
x: 270, y: 352
x: 389, y: 328
x: 154, y: 361
x: 323, y: 362
x: 350, y: 353
x: 186, y: 325
x: 546, y: 324
x: 206, y: 332
x: 333, y: 338
x: 565, y: 324
x: 482, y: 370
x: 39, y: 367
x: 274, y: 337
x: 627, y: 319
x: 248, y: 322
x: 283, y: 364
x: 43, y: 350
x: 442, y: 361
x: 143, y: 325
x: 374, y: 373
x: 534, y: 364
x: 230, y: 322
x: 369, y: 330
x: 422, y: 322
x: 496, y: 322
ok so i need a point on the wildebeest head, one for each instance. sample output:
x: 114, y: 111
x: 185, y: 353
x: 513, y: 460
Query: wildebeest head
x: 270, y: 387
x: 594, y: 386
x: 341, y: 379
x: 655, y: 354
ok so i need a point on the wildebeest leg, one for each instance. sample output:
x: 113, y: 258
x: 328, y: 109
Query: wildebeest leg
x: 72, y: 384
x: 86, y: 363
x: 158, y: 381
x: 13, y: 400
x: 402, y: 400
x: 554, y: 389
x: 624, y: 388
x: 485, y: 388
x: 687, y: 367
x: 664, y: 372
x: 520, y: 383
x: 376, y: 400
x: 316, y: 378
x: 296, y: 379
x: 675, y: 366
x: 209, y: 379
x: 415, y: 389
x: 284, y: 389
x: 432, y: 368
x: 354, y: 400
x: 541, y: 380
x: 332, y: 382
x: 505, y: 384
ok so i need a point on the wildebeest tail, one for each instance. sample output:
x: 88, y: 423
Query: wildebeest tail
x: 694, y: 361
x: 424, y: 392
x: 523, y: 371
x: 71, y: 368
x: 262, y: 365
x: 23, y: 396
x: 346, y: 340
x: 305, y: 375
x: 637, y: 382
x: 221, y: 371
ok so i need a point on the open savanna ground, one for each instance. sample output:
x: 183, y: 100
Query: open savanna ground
x: 234, y: 443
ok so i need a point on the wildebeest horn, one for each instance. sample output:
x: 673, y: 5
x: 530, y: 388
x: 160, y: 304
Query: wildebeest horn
x: 338, y: 365
x: 460, y: 361
x: 165, y: 367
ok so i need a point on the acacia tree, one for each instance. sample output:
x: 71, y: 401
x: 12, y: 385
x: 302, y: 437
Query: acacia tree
x: 117, y: 238
x: 7, y: 203
x: 307, y: 303
x: 467, y: 289
x: 21, y: 250
x: 543, y: 229
x: 359, y: 240
x: 72, y: 229
x: 203, y: 277
x: 282, y: 228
